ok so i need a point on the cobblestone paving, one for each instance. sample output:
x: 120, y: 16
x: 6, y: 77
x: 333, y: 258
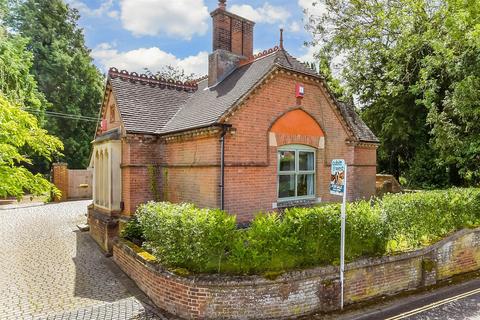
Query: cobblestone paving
x: 50, y: 270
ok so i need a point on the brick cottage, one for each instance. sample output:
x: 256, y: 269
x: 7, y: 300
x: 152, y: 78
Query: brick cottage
x: 258, y: 133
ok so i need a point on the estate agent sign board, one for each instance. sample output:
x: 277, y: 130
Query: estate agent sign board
x: 337, y: 180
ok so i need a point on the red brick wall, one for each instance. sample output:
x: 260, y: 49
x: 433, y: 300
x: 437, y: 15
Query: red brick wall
x: 303, y: 292
x: 191, y: 171
x: 198, y: 185
x: 138, y: 153
x: 188, y: 170
x: 166, y: 292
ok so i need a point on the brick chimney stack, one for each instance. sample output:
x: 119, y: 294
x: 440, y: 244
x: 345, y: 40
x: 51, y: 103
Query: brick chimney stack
x: 232, y: 42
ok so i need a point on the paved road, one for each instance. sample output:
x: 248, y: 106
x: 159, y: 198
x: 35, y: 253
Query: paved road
x: 455, y: 302
x: 50, y: 270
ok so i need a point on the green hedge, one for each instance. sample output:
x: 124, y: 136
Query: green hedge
x: 207, y: 240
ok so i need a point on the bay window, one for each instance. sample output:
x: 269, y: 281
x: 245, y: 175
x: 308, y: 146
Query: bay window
x: 296, y: 172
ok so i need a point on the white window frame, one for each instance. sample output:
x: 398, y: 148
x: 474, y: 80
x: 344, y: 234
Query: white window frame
x: 297, y: 148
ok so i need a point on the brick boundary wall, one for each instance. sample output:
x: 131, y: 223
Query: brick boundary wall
x: 298, y: 293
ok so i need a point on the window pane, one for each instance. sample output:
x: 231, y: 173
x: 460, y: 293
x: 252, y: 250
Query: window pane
x: 305, y: 161
x: 287, y: 160
x: 286, y: 186
x: 305, y: 185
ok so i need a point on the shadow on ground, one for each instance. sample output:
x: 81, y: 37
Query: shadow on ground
x: 99, y: 278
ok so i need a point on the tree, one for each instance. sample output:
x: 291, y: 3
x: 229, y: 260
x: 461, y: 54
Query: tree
x: 20, y: 133
x: 413, y: 65
x: 171, y: 72
x: 20, y: 130
x: 16, y: 82
x: 450, y: 80
x: 63, y: 70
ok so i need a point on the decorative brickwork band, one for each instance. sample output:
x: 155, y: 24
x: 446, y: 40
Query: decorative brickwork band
x: 152, y: 80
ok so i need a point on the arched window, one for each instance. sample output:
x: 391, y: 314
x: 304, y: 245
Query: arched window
x: 296, y: 172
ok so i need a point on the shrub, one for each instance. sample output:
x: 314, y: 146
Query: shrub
x: 185, y: 236
x: 207, y: 240
x: 133, y: 230
x: 419, y: 219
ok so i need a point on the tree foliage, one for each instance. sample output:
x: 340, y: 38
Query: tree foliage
x: 414, y: 66
x: 20, y: 130
x: 64, y: 71
x: 16, y: 82
x: 171, y: 72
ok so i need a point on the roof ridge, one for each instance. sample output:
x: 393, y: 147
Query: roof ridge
x: 189, y: 86
x: 260, y: 55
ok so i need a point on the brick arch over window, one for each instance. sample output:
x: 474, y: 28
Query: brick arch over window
x: 296, y: 127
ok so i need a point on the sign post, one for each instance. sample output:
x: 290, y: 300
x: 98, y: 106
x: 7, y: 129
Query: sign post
x: 338, y: 186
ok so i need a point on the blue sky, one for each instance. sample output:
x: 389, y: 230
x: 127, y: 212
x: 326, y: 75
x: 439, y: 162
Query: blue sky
x: 133, y: 34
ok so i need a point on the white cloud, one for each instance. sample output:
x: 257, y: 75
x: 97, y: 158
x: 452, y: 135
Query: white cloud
x: 178, y: 18
x: 309, y: 55
x: 152, y: 58
x: 113, y: 14
x: 294, y: 27
x: 312, y: 7
x: 105, y: 8
x: 265, y: 14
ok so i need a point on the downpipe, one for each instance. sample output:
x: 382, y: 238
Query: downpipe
x: 222, y: 166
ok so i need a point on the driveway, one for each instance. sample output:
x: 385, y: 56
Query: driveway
x: 50, y: 270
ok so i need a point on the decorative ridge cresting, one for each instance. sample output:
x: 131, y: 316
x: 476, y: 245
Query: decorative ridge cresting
x: 205, y: 77
x: 259, y: 55
x: 153, y: 81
